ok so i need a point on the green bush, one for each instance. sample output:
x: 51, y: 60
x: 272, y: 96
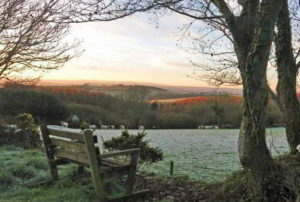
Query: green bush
x: 175, y: 120
x: 94, y: 114
x: 6, y: 133
x: 43, y: 106
x: 84, y: 125
x: 129, y: 141
x: 26, y: 135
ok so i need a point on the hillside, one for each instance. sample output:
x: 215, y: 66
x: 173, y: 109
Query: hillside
x: 201, y: 99
x: 173, y: 91
x: 163, y: 93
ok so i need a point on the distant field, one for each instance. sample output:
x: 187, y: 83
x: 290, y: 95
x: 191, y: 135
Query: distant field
x: 167, y: 100
x: 208, y: 155
x: 197, y: 99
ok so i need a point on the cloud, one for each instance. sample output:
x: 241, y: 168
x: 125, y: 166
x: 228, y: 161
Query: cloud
x: 129, y: 49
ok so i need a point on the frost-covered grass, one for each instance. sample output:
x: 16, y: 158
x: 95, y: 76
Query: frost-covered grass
x: 19, y: 167
x: 205, y: 155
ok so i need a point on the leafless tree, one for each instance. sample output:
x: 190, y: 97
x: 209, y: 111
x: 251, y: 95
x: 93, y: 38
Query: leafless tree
x: 136, y: 105
x: 33, y: 38
x: 287, y: 63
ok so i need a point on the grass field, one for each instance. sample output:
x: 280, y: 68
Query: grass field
x: 19, y: 167
x: 208, y: 156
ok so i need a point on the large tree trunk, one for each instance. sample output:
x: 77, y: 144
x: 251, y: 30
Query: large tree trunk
x: 253, y: 151
x: 254, y: 154
x: 287, y: 73
x: 252, y: 145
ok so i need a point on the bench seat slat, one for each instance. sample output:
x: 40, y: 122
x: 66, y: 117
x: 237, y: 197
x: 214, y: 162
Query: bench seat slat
x: 120, y: 153
x: 113, y: 164
x: 73, y: 156
x: 69, y: 145
x: 66, y: 134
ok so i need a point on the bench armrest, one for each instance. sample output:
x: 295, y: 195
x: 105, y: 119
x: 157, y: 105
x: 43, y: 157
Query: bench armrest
x: 120, y: 153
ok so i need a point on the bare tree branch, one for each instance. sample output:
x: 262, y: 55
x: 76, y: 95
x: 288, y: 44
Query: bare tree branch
x: 30, y: 40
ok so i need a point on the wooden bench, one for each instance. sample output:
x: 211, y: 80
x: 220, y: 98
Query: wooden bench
x: 66, y: 146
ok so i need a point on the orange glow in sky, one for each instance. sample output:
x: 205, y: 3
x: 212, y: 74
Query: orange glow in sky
x: 130, y: 49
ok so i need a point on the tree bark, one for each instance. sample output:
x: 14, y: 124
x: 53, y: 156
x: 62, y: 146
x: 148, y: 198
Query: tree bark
x: 252, y: 145
x: 287, y: 73
x: 254, y: 154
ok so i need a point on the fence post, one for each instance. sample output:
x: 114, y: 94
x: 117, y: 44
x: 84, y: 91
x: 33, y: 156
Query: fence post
x: 171, y: 167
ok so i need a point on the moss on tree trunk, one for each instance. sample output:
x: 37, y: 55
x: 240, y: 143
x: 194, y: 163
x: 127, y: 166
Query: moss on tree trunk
x: 287, y: 74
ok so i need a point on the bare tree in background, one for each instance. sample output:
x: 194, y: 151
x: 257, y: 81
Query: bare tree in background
x: 287, y: 53
x: 33, y: 38
x: 135, y: 104
x: 213, y: 42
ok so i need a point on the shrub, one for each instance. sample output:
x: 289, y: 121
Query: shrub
x: 7, y: 133
x: 84, y: 125
x: 129, y: 141
x: 94, y: 114
x: 26, y: 136
x: 175, y: 120
x: 43, y: 106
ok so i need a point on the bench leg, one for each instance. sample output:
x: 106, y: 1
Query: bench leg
x: 132, y: 173
x: 91, y: 152
x: 49, y: 152
x: 53, y: 170
x: 80, y: 170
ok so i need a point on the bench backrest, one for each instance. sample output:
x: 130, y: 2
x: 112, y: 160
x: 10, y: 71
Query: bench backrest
x: 68, y: 144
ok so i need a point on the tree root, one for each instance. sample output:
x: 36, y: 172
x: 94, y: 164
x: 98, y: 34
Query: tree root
x: 281, y: 183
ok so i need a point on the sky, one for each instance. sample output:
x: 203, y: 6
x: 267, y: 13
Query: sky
x: 130, y: 49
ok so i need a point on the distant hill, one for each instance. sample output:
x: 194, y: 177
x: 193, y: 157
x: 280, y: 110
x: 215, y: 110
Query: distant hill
x: 202, y: 99
x: 113, y: 87
x: 202, y: 90
x: 113, y: 90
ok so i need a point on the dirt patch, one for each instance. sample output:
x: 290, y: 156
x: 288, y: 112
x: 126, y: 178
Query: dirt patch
x: 166, y: 189
x: 175, y: 189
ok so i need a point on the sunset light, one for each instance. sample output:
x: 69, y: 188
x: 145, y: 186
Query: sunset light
x: 149, y: 100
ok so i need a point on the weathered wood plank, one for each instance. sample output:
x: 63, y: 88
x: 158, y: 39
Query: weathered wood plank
x: 120, y: 153
x: 49, y: 152
x: 94, y: 165
x: 108, y: 162
x: 66, y: 134
x: 73, y: 156
x: 69, y: 145
x: 132, y: 172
